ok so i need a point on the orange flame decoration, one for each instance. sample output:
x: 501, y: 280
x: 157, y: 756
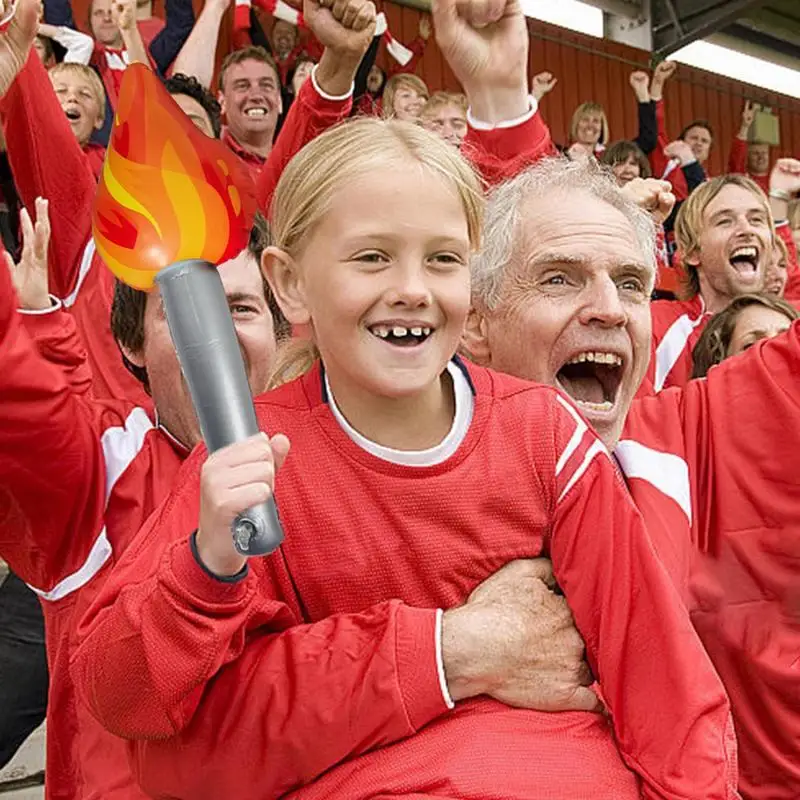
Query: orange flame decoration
x: 167, y: 191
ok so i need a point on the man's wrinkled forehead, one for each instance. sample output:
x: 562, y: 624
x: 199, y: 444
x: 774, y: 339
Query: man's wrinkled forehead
x: 578, y: 228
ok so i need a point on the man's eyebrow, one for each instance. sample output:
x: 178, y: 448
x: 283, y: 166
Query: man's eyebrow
x: 239, y: 297
x: 554, y: 259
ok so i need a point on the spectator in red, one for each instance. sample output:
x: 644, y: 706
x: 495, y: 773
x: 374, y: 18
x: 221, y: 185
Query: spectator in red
x: 750, y: 159
x: 667, y: 161
x: 445, y: 114
x: 555, y: 305
x: 80, y: 93
x: 404, y: 97
x: 725, y: 235
x: 250, y: 98
x: 126, y: 31
x: 745, y: 321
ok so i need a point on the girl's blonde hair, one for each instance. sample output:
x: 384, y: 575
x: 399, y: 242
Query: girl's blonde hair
x: 363, y: 146
x: 396, y: 82
x: 584, y: 110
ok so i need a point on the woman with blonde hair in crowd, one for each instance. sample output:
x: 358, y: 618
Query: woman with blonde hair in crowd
x: 747, y: 320
x: 404, y: 97
x: 415, y: 483
x: 588, y: 131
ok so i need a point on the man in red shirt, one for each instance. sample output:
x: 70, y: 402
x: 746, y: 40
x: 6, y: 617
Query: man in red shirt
x: 560, y: 299
x: 750, y: 159
x: 250, y: 97
x: 725, y: 236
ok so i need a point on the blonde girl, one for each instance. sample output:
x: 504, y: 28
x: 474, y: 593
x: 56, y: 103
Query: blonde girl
x: 388, y: 649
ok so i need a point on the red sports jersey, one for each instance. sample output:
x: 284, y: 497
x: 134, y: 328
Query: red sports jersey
x: 322, y: 659
x: 737, y: 163
x: 712, y: 467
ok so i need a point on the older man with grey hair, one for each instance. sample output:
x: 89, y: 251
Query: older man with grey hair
x: 561, y: 296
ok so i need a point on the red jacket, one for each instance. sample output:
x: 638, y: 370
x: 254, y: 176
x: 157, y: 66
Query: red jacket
x: 323, y: 659
x: 678, y: 325
x: 712, y: 468
x: 53, y: 166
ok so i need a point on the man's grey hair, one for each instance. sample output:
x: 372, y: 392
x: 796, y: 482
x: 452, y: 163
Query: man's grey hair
x: 543, y: 180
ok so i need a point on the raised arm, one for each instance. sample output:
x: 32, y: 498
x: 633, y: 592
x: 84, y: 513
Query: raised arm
x: 737, y: 159
x: 196, y: 57
x: 639, y: 638
x: 78, y: 45
x: 662, y: 73
x: 417, y: 49
x: 52, y: 468
x: 125, y: 13
x: 44, y: 154
x: 506, y: 132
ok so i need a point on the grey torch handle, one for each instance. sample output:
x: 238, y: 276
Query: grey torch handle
x: 208, y: 351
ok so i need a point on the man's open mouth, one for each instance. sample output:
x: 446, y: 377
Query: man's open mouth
x: 745, y: 260
x: 592, y: 379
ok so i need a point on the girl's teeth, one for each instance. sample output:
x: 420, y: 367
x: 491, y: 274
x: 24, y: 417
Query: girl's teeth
x: 398, y: 332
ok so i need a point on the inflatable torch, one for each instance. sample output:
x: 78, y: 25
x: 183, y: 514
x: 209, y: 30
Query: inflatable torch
x: 171, y: 204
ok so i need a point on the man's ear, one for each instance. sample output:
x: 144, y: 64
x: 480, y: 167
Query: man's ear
x: 693, y: 258
x: 98, y: 123
x: 221, y: 101
x: 283, y: 276
x: 137, y: 359
x: 475, y: 338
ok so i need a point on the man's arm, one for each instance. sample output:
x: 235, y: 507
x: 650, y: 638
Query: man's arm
x: 622, y: 597
x: 125, y: 12
x: 506, y: 131
x: 647, y: 139
x: 737, y: 159
x: 196, y: 57
x: 78, y: 45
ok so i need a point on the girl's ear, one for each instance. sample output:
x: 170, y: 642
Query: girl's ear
x: 281, y: 272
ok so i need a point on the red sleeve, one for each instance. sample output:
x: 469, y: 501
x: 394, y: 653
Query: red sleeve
x: 309, y: 116
x: 47, y: 162
x: 669, y: 709
x: 52, y: 472
x: 417, y: 48
x: 502, y: 153
x: 737, y: 158
x: 57, y: 339
x: 369, y: 678
x: 657, y: 158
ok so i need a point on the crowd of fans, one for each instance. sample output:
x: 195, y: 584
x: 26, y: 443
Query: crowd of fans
x: 541, y: 541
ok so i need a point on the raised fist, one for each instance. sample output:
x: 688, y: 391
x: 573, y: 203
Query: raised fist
x: 16, y: 37
x: 654, y: 196
x: 541, y: 84
x: 664, y: 71
x: 640, y: 83
x: 344, y: 26
x: 680, y: 150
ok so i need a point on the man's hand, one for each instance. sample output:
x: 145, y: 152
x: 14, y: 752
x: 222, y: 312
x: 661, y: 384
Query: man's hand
x: 125, y: 13
x: 485, y: 43
x: 784, y: 184
x: 680, y: 150
x: 748, y: 115
x: 652, y: 195
x: 640, y: 83
x: 16, y: 40
x: 515, y: 640
x: 542, y: 84
x: 662, y: 73
x: 30, y: 275
x: 345, y: 29
x: 234, y: 479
